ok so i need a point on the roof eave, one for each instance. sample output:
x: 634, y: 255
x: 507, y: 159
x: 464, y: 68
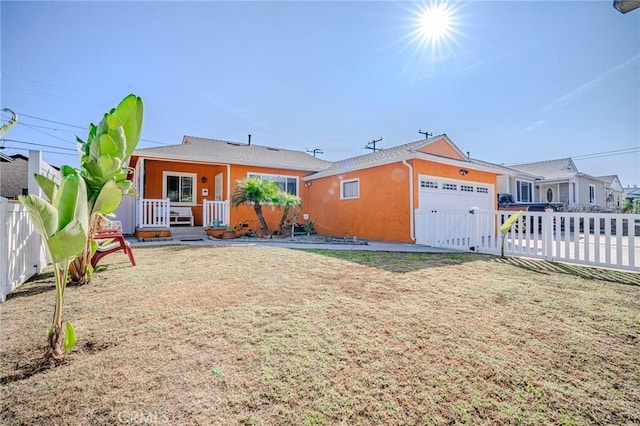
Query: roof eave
x: 400, y: 158
x: 223, y: 163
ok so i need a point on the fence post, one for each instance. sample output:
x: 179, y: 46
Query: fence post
x: 4, y: 253
x: 547, y: 235
x: 475, y: 229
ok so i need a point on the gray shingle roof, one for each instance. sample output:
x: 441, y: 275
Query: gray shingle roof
x: 563, y: 168
x: 608, y: 179
x: 376, y: 157
x: 504, y: 169
x: 218, y: 151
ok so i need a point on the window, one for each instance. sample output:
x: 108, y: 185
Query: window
x: 449, y: 186
x: 592, y: 194
x: 466, y: 188
x: 287, y: 183
x: 179, y: 187
x: 350, y: 189
x: 482, y: 190
x: 524, y: 191
x: 428, y: 184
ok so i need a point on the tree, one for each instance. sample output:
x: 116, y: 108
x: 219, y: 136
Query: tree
x: 104, y: 158
x: 63, y: 224
x: 256, y: 191
x: 287, y: 202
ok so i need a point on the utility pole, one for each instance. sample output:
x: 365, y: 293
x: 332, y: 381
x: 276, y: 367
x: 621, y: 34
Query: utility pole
x: 372, y: 145
x: 315, y: 151
x: 427, y: 135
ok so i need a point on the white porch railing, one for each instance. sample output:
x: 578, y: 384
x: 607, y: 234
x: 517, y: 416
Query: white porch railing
x: 215, y: 213
x: 153, y: 213
x: 22, y: 253
x: 595, y: 239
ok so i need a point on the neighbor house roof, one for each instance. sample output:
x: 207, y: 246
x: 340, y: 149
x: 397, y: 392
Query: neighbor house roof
x: 506, y: 170
x: 218, y: 151
x: 563, y: 168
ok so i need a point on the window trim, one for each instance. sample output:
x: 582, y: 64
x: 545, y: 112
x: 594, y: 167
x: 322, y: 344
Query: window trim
x: 519, y: 191
x: 592, y: 191
x: 260, y: 175
x: 342, y: 197
x: 194, y: 196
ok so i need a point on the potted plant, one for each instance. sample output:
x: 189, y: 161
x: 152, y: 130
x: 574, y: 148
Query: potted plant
x: 308, y: 224
x: 228, y: 233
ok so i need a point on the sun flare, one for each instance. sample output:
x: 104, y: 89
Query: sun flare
x: 434, y: 27
x: 435, y: 23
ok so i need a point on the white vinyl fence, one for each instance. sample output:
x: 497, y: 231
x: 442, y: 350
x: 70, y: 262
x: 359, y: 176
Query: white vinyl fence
x: 596, y: 239
x: 22, y: 253
x: 153, y: 213
x: 216, y: 213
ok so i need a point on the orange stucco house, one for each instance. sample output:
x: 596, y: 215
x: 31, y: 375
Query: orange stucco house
x: 372, y: 196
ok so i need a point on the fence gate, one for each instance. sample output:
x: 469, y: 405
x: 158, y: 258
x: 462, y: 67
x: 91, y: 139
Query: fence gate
x: 451, y: 229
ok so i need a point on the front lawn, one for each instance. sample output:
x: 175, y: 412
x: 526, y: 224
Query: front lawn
x: 272, y: 336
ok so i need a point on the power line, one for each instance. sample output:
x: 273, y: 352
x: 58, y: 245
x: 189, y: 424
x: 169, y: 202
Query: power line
x: 613, y: 152
x: 41, y: 150
x: 51, y: 121
x: 48, y: 134
x: 602, y: 154
x: 74, y: 126
x: 37, y: 144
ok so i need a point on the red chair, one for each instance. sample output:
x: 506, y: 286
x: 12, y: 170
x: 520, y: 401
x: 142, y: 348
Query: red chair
x: 110, y: 241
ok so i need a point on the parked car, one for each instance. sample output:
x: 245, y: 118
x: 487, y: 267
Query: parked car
x: 506, y: 202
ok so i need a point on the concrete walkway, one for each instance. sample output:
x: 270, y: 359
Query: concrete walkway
x: 195, y: 238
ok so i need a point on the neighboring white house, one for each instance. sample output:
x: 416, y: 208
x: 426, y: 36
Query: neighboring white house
x: 561, y: 181
x: 614, y: 192
x: 632, y: 193
x: 511, y: 182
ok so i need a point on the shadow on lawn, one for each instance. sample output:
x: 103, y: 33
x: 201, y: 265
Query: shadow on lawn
x: 544, y: 267
x: 40, y: 283
x: 400, y: 262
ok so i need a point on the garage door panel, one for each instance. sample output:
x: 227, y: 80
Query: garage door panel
x: 450, y: 194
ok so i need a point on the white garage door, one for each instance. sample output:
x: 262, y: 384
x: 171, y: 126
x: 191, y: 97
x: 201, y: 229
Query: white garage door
x: 450, y: 194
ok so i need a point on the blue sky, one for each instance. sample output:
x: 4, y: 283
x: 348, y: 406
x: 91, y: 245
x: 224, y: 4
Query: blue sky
x: 515, y: 82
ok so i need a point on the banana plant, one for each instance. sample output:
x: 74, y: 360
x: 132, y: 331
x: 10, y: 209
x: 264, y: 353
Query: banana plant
x: 103, y: 166
x: 506, y: 226
x: 63, y: 223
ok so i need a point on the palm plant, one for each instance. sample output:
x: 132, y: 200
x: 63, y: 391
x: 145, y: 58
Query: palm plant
x: 287, y: 202
x: 256, y: 191
x: 63, y: 224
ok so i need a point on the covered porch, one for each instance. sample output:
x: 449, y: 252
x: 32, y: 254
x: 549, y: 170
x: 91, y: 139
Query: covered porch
x: 178, y: 194
x: 160, y: 213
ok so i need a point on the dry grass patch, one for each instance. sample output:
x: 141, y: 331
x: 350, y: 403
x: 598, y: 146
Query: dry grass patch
x: 261, y: 335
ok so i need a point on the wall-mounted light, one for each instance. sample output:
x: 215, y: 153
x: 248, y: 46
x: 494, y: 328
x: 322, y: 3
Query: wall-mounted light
x: 204, y: 179
x: 307, y: 184
x: 463, y: 172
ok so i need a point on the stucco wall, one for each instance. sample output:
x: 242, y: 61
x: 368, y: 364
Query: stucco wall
x: 383, y: 210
